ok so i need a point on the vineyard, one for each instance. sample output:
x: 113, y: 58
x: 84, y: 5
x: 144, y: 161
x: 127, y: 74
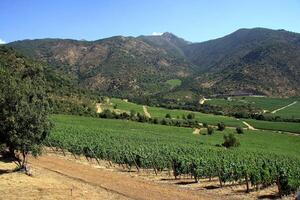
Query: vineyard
x: 276, y: 126
x: 263, y: 159
x: 158, y: 112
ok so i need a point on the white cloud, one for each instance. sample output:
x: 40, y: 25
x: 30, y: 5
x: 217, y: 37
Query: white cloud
x: 2, y: 41
x: 157, y: 33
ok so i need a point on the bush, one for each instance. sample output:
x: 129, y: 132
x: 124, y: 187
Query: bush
x: 210, y: 130
x: 221, y: 126
x: 230, y: 141
x: 168, y: 116
x: 239, y: 130
x: 132, y: 113
x: 191, y: 116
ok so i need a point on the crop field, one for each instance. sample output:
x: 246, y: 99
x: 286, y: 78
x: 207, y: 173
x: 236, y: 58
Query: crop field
x: 172, y: 148
x: 280, y: 126
x: 174, y: 82
x: 201, y: 117
x: 157, y: 112
x: 265, y: 103
x: 141, y: 133
x: 290, y: 112
x: 126, y: 106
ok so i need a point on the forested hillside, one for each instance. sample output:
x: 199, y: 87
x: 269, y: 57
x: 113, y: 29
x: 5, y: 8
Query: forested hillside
x: 256, y: 61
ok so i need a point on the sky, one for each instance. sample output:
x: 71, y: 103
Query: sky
x: 193, y: 20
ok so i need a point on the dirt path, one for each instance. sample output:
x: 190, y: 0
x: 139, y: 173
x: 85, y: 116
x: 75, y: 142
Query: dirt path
x: 47, y: 185
x: 196, y: 131
x: 274, y: 111
x: 147, y: 114
x: 98, y: 108
x: 202, y: 101
x: 121, y: 184
x: 249, y: 126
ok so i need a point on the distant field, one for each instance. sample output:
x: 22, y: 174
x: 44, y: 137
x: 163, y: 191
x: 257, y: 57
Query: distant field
x: 174, y: 82
x: 265, y: 103
x: 126, y: 106
x: 161, y: 113
x: 201, y: 117
x: 290, y: 112
x: 281, y: 126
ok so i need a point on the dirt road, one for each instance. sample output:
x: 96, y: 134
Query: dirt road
x: 249, y: 126
x: 98, y: 108
x: 117, y: 183
x: 274, y: 111
x: 147, y: 114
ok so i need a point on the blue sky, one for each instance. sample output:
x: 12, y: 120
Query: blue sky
x: 194, y: 20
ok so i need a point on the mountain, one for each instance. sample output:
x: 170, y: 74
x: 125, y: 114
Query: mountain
x: 257, y: 61
x: 62, y: 93
x: 115, y: 65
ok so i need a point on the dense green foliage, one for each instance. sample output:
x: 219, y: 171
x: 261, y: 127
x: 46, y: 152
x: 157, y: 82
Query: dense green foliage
x: 23, y: 106
x: 263, y: 158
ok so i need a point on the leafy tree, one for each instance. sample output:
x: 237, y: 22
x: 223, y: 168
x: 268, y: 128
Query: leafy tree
x: 239, y: 130
x: 23, y: 110
x: 132, y: 113
x: 210, y: 130
x: 230, y: 141
x: 191, y: 116
x: 221, y: 126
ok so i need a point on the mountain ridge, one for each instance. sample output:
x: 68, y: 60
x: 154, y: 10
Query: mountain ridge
x: 259, y: 61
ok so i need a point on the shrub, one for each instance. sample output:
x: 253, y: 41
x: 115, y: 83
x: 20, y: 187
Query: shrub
x: 191, y: 116
x: 210, y: 130
x: 239, y: 130
x: 168, y: 116
x: 230, y: 141
x: 132, y: 113
x: 221, y: 126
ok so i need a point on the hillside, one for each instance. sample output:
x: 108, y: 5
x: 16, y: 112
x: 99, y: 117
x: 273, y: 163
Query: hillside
x: 115, y: 65
x: 63, y: 94
x: 257, y: 61
x: 260, y: 61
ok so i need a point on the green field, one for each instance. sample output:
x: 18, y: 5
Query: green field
x: 265, y: 103
x: 148, y: 134
x: 290, y: 112
x: 157, y: 112
x: 126, y: 106
x: 277, y: 126
x: 201, y: 117
x: 174, y: 82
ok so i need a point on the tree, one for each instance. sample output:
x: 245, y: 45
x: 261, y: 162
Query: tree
x: 190, y: 116
x: 210, y: 130
x: 168, y: 116
x: 239, y: 130
x: 221, y: 126
x: 132, y: 113
x: 23, y: 110
x: 230, y: 141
